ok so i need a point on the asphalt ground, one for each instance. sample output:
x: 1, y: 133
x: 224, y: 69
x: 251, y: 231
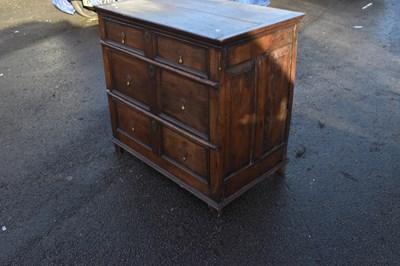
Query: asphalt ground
x: 66, y: 198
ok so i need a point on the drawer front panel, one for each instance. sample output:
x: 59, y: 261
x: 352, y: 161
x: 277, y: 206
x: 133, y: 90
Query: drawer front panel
x: 133, y: 123
x: 123, y: 34
x: 129, y: 76
x: 185, y: 101
x: 182, y: 54
x: 185, y: 152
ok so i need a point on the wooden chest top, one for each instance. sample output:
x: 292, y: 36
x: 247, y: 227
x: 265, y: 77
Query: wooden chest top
x: 215, y: 21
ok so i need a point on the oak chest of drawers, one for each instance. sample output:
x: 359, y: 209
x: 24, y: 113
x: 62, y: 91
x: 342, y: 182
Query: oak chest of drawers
x: 201, y: 90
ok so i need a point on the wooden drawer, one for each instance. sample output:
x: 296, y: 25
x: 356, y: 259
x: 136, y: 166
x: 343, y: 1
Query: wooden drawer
x: 129, y: 76
x: 185, y: 101
x: 128, y: 36
x: 182, y: 55
x: 133, y: 124
x: 185, y: 152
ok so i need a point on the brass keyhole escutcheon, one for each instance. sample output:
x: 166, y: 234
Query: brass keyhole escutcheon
x: 147, y: 37
x: 123, y: 37
x: 128, y: 80
x: 153, y: 126
x: 183, y: 104
x: 133, y: 125
x: 152, y: 71
x: 181, y: 59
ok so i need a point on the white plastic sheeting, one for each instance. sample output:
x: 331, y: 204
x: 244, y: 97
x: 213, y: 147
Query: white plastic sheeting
x: 92, y: 3
x: 64, y: 6
x: 254, y: 2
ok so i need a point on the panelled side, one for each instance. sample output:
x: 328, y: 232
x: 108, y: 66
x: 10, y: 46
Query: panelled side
x: 240, y: 80
x: 273, y: 99
x: 260, y: 84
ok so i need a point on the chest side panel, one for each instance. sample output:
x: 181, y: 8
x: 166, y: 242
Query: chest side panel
x: 273, y: 90
x: 258, y: 77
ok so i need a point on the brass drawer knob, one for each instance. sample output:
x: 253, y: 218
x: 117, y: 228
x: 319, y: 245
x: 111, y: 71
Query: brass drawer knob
x: 128, y: 80
x: 133, y: 125
x: 180, y: 52
x: 184, y: 155
x: 183, y: 104
x: 123, y: 37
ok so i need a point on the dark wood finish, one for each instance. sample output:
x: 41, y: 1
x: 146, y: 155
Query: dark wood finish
x: 181, y: 54
x: 241, y: 83
x: 201, y: 90
x: 133, y: 124
x: 124, y: 34
x: 185, y: 152
x: 185, y: 101
x: 129, y: 76
x: 258, y: 46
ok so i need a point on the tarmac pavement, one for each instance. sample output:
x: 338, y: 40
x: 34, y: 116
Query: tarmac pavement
x: 66, y: 197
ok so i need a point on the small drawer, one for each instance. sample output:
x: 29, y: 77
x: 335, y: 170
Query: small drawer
x: 185, y: 101
x: 185, y: 152
x: 131, y: 122
x: 129, y: 76
x: 182, y: 54
x: 123, y: 34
